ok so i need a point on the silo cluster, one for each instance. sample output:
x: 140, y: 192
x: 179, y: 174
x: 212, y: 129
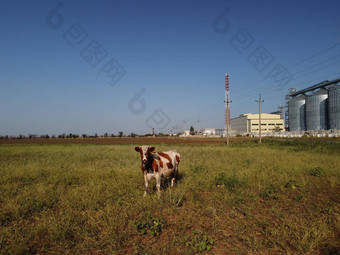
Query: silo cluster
x: 317, y: 111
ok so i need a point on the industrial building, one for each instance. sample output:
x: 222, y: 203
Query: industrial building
x: 208, y: 131
x: 314, y: 108
x: 249, y: 123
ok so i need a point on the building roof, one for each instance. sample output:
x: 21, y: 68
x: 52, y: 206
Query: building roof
x: 256, y: 116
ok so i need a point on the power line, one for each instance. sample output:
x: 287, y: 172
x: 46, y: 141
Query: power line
x: 270, y: 85
x: 304, y: 60
x: 236, y: 107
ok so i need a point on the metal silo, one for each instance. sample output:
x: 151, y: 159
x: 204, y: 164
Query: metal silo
x: 296, y: 113
x: 316, y: 110
x: 334, y: 107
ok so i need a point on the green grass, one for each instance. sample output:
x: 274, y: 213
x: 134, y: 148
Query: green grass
x: 281, y: 197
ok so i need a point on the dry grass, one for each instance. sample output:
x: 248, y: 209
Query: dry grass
x: 277, y: 198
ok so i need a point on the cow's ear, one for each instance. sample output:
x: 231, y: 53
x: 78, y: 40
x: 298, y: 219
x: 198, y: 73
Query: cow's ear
x: 137, y: 149
x: 151, y: 149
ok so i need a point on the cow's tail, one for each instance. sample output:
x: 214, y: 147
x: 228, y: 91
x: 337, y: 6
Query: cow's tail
x: 178, y: 159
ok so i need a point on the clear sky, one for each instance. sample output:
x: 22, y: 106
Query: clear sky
x: 109, y: 66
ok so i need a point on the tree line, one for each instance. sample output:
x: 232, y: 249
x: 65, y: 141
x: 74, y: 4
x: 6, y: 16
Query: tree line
x: 63, y: 136
x: 76, y: 136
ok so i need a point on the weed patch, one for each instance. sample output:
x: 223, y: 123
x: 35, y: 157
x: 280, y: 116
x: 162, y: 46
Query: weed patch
x: 150, y: 225
x: 270, y: 193
x: 317, y: 171
x: 291, y: 184
x: 199, y: 242
x: 298, y: 197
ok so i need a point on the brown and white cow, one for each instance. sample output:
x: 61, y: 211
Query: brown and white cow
x: 157, y: 165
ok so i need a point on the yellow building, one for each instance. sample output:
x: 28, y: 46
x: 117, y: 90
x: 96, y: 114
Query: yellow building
x: 249, y: 123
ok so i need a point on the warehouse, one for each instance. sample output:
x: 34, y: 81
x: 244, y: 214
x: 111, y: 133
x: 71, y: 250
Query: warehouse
x: 249, y: 123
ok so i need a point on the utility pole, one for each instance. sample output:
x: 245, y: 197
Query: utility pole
x: 198, y: 122
x: 260, y: 127
x: 184, y: 127
x: 228, y: 119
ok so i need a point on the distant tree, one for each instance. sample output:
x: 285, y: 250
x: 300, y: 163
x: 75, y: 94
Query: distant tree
x: 95, y: 135
x: 106, y: 135
x: 120, y: 134
x: 53, y: 136
x: 133, y: 134
x: 192, y: 130
x: 112, y: 135
x: 84, y: 135
x: 62, y: 136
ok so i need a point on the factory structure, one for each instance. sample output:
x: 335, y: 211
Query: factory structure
x: 314, y: 108
x: 249, y: 123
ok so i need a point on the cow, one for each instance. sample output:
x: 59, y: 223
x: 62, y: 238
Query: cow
x: 157, y: 165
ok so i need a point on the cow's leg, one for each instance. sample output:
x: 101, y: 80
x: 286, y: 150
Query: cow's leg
x: 173, y: 180
x: 146, y: 184
x: 175, y: 175
x: 158, y: 182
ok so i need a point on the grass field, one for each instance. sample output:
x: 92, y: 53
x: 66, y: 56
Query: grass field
x: 281, y: 197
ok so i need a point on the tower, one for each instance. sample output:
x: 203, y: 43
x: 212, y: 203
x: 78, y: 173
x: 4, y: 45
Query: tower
x: 227, y: 110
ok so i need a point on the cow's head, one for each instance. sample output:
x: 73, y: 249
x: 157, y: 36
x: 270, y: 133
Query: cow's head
x: 145, y: 151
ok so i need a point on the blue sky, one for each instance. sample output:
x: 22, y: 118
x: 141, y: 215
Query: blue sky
x: 166, y: 60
